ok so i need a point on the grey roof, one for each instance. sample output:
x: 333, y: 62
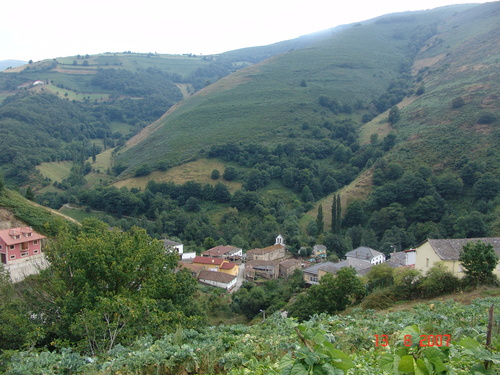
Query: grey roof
x: 363, y: 252
x: 450, y: 249
x: 290, y: 263
x: 399, y: 258
x: 171, y: 243
x: 357, y: 264
x: 319, y: 247
x: 315, y: 268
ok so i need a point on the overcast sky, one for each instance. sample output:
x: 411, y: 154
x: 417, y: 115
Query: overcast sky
x: 44, y: 29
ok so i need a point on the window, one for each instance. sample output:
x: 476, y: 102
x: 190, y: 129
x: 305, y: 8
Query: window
x: 25, y: 254
x: 35, y: 242
x: 12, y: 257
x: 35, y: 251
x: 427, y: 262
x: 12, y: 247
x: 313, y: 279
x: 25, y: 246
x: 0, y: 247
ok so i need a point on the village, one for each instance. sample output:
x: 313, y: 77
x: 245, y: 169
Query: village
x: 228, y: 267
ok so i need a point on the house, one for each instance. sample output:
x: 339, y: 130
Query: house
x: 216, y: 264
x: 266, y: 269
x: 361, y: 266
x: 288, y: 267
x: 21, y: 252
x: 224, y: 252
x: 373, y: 256
x: 194, y: 269
x: 229, y: 268
x: 211, y: 264
x: 19, y: 244
x: 448, y: 252
x: 179, y: 248
x: 311, y: 274
x: 319, y: 251
x: 403, y: 258
x: 218, y: 279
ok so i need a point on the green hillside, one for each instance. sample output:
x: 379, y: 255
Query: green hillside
x: 271, y: 101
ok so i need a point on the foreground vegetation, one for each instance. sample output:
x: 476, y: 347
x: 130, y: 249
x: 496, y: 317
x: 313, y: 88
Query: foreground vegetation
x: 326, y: 344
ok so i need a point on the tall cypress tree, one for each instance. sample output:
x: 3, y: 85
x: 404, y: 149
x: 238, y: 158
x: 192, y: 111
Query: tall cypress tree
x: 336, y: 214
x: 319, y: 219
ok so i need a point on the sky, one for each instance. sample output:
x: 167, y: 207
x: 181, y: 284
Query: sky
x: 45, y: 29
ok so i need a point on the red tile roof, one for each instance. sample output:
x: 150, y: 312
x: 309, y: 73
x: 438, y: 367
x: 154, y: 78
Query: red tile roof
x: 219, y: 277
x: 25, y: 234
x: 219, y: 250
x: 266, y: 250
x: 227, y: 266
x: 208, y: 260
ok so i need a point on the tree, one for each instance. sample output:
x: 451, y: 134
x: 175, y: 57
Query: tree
x: 30, y: 194
x: 230, y: 174
x: 319, y: 219
x: 479, y: 259
x: 336, y: 214
x: 394, y: 115
x: 215, y: 174
x: 221, y: 193
x: 487, y: 187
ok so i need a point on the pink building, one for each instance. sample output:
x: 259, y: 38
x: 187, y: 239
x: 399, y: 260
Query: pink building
x: 18, y: 244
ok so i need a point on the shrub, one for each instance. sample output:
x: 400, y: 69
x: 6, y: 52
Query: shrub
x: 486, y: 118
x: 438, y: 281
x: 379, y: 300
x: 457, y: 102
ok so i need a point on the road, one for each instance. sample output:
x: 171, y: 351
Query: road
x: 240, y: 278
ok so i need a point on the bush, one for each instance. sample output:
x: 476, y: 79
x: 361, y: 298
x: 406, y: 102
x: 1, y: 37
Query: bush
x: 457, y: 102
x: 486, y: 118
x: 379, y: 300
x: 438, y: 281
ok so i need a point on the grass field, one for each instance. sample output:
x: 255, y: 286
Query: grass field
x: 198, y: 171
x: 56, y: 171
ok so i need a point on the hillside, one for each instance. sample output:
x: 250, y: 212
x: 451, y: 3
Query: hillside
x: 267, y: 104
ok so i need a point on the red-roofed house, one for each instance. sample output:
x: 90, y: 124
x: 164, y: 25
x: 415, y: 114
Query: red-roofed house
x: 229, y: 268
x: 218, y: 279
x: 211, y: 264
x: 224, y: 252
x: 18, y: 244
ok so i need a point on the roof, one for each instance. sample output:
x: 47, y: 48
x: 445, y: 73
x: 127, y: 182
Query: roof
x: 290, y: 263
x: 399, y: 258
x: 363, y: 252
x: 319, y: 247
x: 171, y: 243
x: 208, y: 260
x: 261, y: 263
x: 219, y: 277
x: 450, y: 249
x: 266, y: 250
x: 9, y: 236
x: 227, y: 266
x: 315, y: 268
x: 190, y: 266
x: 358, y: 264
x: 220, y: 250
